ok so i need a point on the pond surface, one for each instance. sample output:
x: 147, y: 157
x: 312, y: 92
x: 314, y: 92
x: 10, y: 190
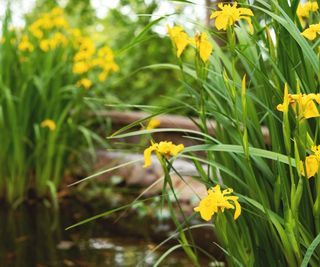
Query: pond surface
x: 34, y: 236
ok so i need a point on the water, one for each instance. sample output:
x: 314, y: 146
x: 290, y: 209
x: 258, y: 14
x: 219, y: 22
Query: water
x: 34, y: 236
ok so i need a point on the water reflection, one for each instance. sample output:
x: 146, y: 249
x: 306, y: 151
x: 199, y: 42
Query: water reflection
x: 34, y: 236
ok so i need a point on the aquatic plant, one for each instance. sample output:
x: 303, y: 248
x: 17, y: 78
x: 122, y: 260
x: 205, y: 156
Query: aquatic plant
x: 266, y: 151
x: 46, y: 71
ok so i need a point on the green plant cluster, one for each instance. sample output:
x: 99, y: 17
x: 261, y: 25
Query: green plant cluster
x: 45, y: 121
x: 261, y: 87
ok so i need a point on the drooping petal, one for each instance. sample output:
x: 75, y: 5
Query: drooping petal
x: 179, y: 37
x: 310, y: 110
x: 205, y: 49
x: 310, y: 34
x: 147, y: 155
x: 206, y: 209
x: 203, y: 46
x: 237, y: 210
x: 312, y: 166
x: 248, y: 19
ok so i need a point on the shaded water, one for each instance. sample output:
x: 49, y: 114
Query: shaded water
x: 34, y: 236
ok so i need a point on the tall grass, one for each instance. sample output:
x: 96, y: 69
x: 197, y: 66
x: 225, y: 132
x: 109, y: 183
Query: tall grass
x: 47, y: 69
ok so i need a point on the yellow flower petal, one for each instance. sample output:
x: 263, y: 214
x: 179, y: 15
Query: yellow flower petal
x: 175, y: 150
x: 311, y: 32
x: 312, y: 166
x: 147, y: 156
x: 310, y: 110
x: 218, y: 201
x: 207, y: 208
x: 229, y: 15
x: 203, y: 46
x: 302, y: 104
x: 179, y: 37
x: 163, y: 148
x: 153, y: 123
x: 237, y: 212
x: 304, y: 10
x: 49, y: 124
x: 85, y: 83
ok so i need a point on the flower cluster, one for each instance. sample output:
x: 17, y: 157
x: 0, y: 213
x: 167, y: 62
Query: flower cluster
x: 229, y: 15
x: 226, y: 17
x: 216, y: 201
x: 105, y: 62
x: 85, y: 51
x: 86, y: 59
x: 312, y: 163
x: 181, y: 40
x: 51, y: 30
x: 49, y: 21
x: 25, y: 45
x: 52, y: 43
x: 303, y: 104
x: 303, y: 10
x: 166, y: 149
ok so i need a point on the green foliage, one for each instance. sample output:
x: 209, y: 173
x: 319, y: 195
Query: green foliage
x: 45, y: 122
x: 138, y: 85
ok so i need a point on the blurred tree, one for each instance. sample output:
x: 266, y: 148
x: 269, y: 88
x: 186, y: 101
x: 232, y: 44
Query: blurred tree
x: 143, y: 87
x: 81, y: 11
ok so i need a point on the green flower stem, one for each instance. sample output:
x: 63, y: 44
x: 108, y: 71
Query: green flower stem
x: 166, y: 166
x: 316, y: 206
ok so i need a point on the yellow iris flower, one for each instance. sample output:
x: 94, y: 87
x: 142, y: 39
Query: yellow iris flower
x: 311, y: 32
x: 56, y: 40
x: 218, y: 201
x: 306, y: 106
x: 47, y: 123
x: 311, y: 162
x: 180, y: 38
x: 105, y: 61
x: 304, y: 10
x: 25, y: 44
x: 80, y: 67
x: 229, y: 15
x: 203, y: 46
x: 85, y: 83
x: 164, y: 148
x: 44, y: 45
x: 153, y: 123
